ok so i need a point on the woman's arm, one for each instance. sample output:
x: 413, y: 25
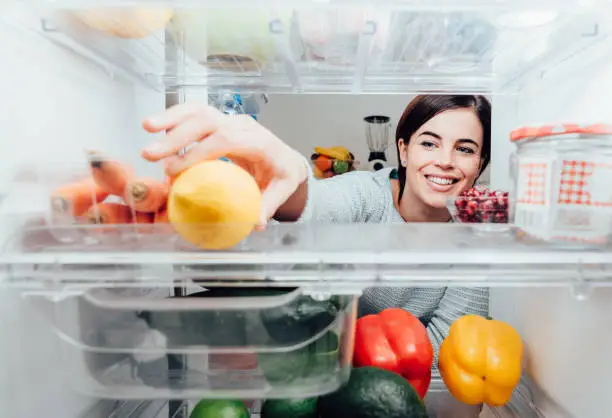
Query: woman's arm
x: 456, y: 302
x: 278, y: 169
x: 351, y: 197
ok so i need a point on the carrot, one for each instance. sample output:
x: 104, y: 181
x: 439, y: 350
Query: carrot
x: 112, y: 176
x: 75, y: 198
x: 144, y: 222
x: 109, y: 213
x: 144, y: 217
x: 161, y: 217
x: 146, y: 195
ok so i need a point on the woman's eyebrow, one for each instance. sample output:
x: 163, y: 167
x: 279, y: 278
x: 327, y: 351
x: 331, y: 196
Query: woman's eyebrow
x: 459, y: 141
x: 468, y: 141
x: 429, y: 133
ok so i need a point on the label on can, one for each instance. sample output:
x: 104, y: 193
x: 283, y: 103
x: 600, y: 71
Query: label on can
x: 583, y: 198
x: 533, y: 195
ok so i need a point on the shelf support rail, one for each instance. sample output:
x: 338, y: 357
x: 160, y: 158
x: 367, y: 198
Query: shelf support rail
x: 363, y: 53
x: 280, y: 34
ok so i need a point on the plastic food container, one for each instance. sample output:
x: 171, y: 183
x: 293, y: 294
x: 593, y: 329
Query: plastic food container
x: 561, y: 177
x: 225, y: 342
x: 332, y: 36
x: 225, y: 40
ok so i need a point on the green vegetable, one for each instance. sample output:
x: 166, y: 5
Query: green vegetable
x: 289, y: 408
x: 373, y: 393
x: 302, y: 318
x: 317, y: 360
x: 220, y: 408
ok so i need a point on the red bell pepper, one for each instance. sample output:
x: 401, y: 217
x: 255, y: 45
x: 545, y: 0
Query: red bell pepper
x: 397, y: 341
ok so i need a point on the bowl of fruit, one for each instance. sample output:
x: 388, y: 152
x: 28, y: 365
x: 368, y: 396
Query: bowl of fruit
x: 480, y: 205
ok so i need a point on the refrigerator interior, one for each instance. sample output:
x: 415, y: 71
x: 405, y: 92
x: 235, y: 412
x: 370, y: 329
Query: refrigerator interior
x: 69, y: 87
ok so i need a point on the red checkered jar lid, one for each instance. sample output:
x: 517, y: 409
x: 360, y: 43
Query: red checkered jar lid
x: 544, y: 131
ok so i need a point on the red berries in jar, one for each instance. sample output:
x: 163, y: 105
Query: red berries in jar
x: 481, y: 205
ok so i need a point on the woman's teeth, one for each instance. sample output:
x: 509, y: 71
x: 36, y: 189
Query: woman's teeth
x: 441, y: 180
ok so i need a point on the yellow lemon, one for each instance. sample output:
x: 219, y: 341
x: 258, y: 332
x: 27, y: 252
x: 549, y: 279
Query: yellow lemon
x: 214, y: 204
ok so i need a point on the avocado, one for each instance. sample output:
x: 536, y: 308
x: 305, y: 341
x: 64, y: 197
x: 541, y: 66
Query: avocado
x: 289, y: 408
x: 373, y: 393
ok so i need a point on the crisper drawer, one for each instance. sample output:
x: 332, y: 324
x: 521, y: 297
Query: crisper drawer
x: 245, y: 343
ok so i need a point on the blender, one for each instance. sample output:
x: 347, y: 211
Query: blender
x: 378, y: 129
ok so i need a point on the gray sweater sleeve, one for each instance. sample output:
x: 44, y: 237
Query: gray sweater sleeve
x: 351, y: 197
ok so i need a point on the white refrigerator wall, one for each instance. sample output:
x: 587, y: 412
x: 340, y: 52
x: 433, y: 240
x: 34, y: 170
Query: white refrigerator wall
x: 568, y: 341
x: 54, y: 103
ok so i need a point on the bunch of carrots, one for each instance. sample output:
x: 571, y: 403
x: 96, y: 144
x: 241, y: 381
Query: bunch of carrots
x: 143, y: 200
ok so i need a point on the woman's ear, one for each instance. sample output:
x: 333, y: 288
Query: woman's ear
x: 402, y: 147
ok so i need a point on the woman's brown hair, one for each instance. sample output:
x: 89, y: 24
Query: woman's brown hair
x: 424, y: 107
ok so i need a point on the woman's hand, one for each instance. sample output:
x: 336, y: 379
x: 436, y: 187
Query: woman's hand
x: 204, y: 133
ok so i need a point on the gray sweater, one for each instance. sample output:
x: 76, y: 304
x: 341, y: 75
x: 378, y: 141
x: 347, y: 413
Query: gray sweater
x: 367, y: 197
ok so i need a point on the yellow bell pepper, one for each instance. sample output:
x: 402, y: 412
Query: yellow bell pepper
x: 480, y: 360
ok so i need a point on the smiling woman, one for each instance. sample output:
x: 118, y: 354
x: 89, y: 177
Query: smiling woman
x: 443, y: 145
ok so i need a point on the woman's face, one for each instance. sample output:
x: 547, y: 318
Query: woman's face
x: 443, y: 156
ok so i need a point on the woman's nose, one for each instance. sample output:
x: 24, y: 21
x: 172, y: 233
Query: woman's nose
x: 445, y: 159
x: 445, y: 163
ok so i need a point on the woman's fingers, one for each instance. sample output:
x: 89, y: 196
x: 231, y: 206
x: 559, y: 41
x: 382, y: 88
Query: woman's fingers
x: 178, y: 114
x: 213, y: 147
x: 192, y: 130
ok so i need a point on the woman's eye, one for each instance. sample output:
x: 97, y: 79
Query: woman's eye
x: 428, y: 144
x: 465, y: 150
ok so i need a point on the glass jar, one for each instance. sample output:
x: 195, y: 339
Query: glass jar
x: 561, y: 188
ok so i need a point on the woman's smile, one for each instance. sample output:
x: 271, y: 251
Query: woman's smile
x: 441, y: 183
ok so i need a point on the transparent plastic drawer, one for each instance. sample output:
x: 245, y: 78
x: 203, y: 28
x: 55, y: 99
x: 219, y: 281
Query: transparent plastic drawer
x: 247, y: 343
